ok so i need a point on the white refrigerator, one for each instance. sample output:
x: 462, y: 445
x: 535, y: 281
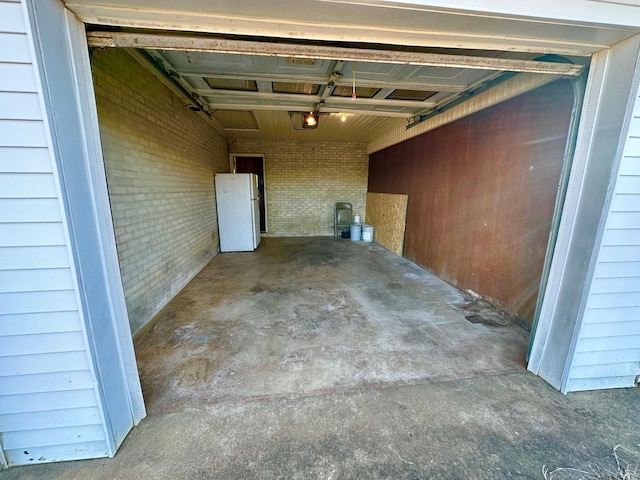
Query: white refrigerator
x: 238, y: 211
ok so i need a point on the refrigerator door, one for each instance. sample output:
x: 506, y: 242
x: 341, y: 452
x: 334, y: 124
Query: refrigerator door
x: 255, y: 193
x: 255, y: 209
x: 256, y: 222
x: 236, y: 218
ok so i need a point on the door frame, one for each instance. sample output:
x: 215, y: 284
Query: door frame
x: 232, y: 169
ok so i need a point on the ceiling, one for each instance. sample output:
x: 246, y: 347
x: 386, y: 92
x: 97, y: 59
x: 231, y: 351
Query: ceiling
x: 232, y: 82
x: 248, y: 72
x: 259, y: 90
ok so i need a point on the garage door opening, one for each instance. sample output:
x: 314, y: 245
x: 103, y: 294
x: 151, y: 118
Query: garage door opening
x: 481, y: 189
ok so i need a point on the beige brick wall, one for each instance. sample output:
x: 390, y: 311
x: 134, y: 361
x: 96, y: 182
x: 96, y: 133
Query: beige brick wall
x: 160, y: 160
x: 305, y: 179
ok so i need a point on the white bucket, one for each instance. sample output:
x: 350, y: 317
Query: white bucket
x: 367, y: 233
x: 356, y: 219
x: 356, y: 232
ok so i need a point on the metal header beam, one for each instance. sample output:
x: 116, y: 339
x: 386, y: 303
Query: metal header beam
x: 201, y: 43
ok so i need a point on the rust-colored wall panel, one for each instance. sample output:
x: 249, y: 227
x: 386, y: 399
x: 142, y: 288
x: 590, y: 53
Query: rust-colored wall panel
x: 482, y: 192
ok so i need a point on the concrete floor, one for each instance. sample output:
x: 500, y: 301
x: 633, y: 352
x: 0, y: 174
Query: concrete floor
x: 323, y: 358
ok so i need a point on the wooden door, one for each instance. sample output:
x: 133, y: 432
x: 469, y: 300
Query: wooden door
x: 253, y: 164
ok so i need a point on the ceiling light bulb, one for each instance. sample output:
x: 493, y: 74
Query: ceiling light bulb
x: 343, y: 117
x: 310, y: 119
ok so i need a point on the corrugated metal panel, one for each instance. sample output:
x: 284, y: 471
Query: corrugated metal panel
x: 49, y: 406
x: 607, y: 352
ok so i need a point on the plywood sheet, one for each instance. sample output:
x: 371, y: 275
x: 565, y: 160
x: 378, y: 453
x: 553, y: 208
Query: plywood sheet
x: 387, y: 212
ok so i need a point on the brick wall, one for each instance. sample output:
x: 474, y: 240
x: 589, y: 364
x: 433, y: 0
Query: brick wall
x: 304, y: 180
x: 160, y: 160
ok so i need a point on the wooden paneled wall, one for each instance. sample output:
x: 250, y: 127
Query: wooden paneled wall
x: 482, y: 192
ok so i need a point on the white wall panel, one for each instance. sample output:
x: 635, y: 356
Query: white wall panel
x: 15, y: 48
x: 619, y: 269
x: 30, y: 210
x: 25, y: 160
x: 49, y: 406
x: 627, y: 237
x: 20, y: 105
x: 604, y: 343
x: 631, y: 166
x: 11, y: 18
x: 41, y: 343
x: 35, y: 280
x: 56, y: 453
x: 607, y: 352
x: 606, y: 370
x: 28, y: 185
x: 40, y: 402
x: 604, y: 357
x: 628, y: 184
x: 616, y: 284
x: 51, y: 382
x: 33, y: 257
x: 623, y: 219
x: 633, y: 145
x: 622, y: 253
x: 32, y: 234
x: 17, y: 77
x: 43, y: 363
x: 38, y: 301
x: 22, y: 133
x: 612, y: 315
x: 615, y: 299
x: 32, y: 323
x: 625, y: 203
x: 613, y: 329
x: 52, y: 436
x: 49, y: 419
x: 599, y: 383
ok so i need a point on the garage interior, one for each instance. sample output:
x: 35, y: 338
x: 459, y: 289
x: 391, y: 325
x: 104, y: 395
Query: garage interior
x: 316, y: 356
x: 307, y: 312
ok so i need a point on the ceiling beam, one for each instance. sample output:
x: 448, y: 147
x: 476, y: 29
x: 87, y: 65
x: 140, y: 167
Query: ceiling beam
x: 327, y: 90
x: 322, y: 79
x: 317, y: 99
x: 204, y: 43
x: 379, y: 102
x: 205, y: 92
x: 298, y: 108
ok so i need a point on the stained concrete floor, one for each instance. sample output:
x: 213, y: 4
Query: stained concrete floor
x: 323, y: 358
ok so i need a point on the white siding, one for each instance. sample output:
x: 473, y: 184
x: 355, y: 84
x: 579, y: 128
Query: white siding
x: 49, y: 407
x: 607, y: 352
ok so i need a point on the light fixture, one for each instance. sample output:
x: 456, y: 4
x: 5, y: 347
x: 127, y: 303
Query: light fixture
x: 343, y: 117
x: 310, y: 120
x: 305, y: 120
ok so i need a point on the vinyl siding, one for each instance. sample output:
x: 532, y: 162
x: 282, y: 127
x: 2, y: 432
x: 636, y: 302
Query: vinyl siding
x: 49, y: 407
x: 607, y: 353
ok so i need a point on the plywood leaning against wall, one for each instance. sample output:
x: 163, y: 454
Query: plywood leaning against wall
x: 387, y: 212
